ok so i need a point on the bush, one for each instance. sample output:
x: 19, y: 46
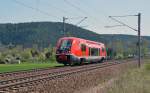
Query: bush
x: 147, y: 66
x: 16, y: 55
x: 1, y: 61
x: 26, y: 55
x: 119, y: 56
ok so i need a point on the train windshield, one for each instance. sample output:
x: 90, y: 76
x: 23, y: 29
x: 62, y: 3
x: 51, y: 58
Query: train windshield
x: 65, y: 45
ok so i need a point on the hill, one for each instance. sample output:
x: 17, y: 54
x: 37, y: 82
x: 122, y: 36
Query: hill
x: 44, y: 34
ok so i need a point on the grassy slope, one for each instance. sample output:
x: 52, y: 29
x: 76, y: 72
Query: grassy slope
x: 25, y: 66
x: 134, y: 81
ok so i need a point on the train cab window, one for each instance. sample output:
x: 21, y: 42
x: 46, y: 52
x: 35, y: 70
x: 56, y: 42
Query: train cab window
x: 83, y: 47
x: 66, y: 44
x: 94, y: 52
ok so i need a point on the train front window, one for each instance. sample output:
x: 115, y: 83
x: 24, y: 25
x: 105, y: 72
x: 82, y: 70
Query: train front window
x: 66, y: 44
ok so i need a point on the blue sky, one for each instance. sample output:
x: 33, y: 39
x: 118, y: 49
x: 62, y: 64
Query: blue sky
x: 97, y: 12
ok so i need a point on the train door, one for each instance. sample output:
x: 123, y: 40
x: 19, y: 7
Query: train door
x: 103, y: 52
x: 83, y: 49
x: 99, y: 52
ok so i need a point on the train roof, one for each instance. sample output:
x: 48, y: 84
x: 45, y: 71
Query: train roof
x: 87, y: 41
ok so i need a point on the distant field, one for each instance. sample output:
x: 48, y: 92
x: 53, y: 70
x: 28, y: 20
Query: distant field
x: 25, y: 66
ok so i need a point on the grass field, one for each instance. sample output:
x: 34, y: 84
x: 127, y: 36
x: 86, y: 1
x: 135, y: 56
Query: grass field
x: 25, y: 66
x: 133, y: 81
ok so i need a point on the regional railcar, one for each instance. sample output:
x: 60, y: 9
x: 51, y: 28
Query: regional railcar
x: 72, y: 50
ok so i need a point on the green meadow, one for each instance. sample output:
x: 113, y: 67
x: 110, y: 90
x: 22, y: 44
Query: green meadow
x: 25, y: 66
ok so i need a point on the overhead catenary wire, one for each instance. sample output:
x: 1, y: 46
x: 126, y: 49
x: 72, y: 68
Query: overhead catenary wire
x: 83, y: 12
x: 113, y: 26
x: 37, y: 4
x: 75, y: 17
x: 122, y: 23
x: 137, y: 30
x: 38, y: 10
x: 93, y: 8
x: 81, y: 21
x: 57, y: 8
x: 62, y: 10
x: 104, y: 13
x: 73, y: 5
x: 123, y: 16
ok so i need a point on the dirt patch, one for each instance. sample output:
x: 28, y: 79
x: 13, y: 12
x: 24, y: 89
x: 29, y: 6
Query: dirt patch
x: 101, y: 88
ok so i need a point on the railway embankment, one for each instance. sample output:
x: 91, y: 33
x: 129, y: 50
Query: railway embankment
x: 72, y: 80
x: 133, y: 80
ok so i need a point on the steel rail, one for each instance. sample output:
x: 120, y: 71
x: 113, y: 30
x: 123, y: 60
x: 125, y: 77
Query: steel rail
x: 6, y: 74
x: 54, y: 76
x: 3, y: 82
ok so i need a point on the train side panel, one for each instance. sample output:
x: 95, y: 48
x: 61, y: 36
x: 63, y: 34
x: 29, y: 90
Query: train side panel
x: 80, y: 50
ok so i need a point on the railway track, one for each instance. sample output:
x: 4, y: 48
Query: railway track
x: 15, y: 74
x: 23, y: 73
x: 31, y: 80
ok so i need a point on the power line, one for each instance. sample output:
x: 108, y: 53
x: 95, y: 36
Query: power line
x: 122, y: 23
x: 64, y: 23
x: 41, y: 11
x: 82, y: 11
x: 123, y: 16
x: 81, y: 21
x: 93, y: 8
x: 37, y: 4
x: 62, y: 10
x: 113, y: 26
x: 59, y: 9
x: 78, y: 8
x: 138, y: 30
x: 76, y: 17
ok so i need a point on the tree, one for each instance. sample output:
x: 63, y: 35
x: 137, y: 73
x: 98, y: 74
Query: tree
x: 144, y: 48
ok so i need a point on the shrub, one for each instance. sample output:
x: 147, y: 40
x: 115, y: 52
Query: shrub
x: 119, y: 56
x: 26, y: 55
x: 147, y: 66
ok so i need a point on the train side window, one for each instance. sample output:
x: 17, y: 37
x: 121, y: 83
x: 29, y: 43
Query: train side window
x: 89, y: 51
x: 94, y: 52
x: 83, y: 47
x: 98, y: 51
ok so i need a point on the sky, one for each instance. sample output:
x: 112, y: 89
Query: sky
x: 96, y: 11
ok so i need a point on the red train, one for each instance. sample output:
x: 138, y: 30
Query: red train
x: 72, y: 50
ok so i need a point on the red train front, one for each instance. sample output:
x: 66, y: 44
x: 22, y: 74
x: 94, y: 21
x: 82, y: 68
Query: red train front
x: 72, y: 50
